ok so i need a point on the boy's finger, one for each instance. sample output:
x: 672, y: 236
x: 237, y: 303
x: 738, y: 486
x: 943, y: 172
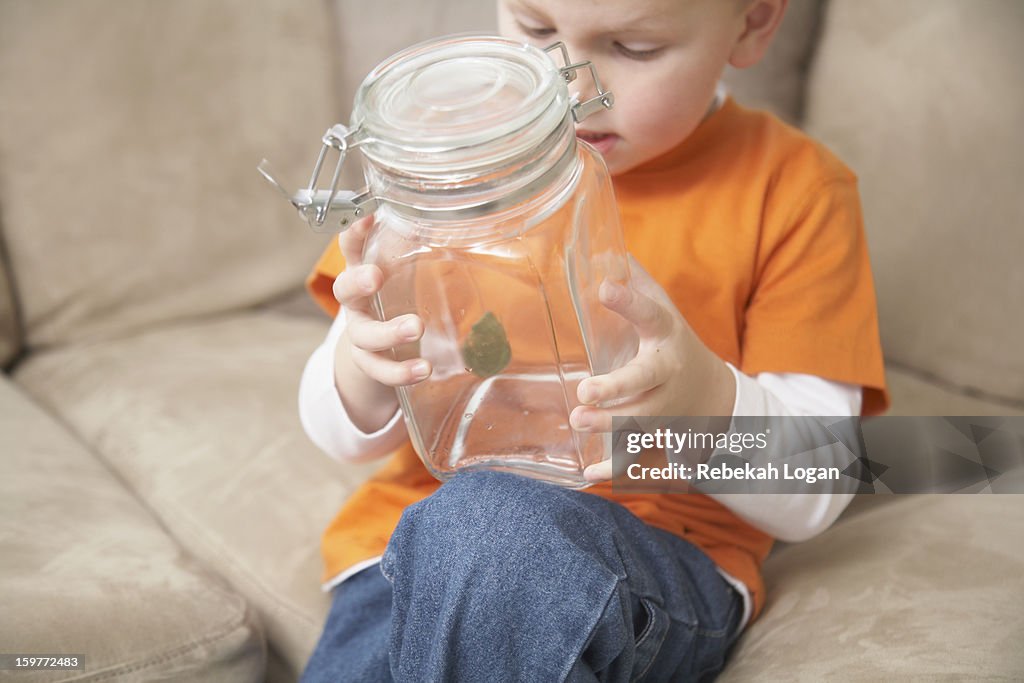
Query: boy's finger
x: 371, y: 335
x: 354, y: 286
x: 392, y: 373
x: 598, y: 472
x: 606, y: 469
x: 351, y: 241
x: 634, y: 378
x: 591, y: 420
x: 650, y: 318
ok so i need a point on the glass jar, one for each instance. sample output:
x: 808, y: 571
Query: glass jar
x: 496, y: 226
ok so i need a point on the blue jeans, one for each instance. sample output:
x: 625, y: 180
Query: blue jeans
x: 497, y: 577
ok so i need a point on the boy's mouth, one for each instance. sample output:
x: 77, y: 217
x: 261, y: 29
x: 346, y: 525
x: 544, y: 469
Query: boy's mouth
x: 602, y: 142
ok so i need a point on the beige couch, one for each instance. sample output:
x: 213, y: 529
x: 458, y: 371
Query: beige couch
x: 160, y: 507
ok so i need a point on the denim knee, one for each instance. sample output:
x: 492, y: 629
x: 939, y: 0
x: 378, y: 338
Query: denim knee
x: 494, y: 565
x: 485, y: 514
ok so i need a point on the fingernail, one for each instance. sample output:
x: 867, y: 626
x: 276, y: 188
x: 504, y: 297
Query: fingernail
x: 410, y: 328
x: 366, y: 281
x: 613, y: 291
x: 420, y: 369
x: 579, y: 421
x: 588, y: 392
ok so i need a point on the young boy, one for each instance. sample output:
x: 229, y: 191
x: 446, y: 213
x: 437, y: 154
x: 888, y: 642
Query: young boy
x: 751, y: 294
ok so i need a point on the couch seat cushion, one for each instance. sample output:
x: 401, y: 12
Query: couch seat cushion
x: 921, y: 587
x: 85, y: 569
x: 201, y: 421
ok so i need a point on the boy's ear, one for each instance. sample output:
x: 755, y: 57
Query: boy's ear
x: 761, y: 19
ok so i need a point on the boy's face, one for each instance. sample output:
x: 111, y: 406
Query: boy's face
x: 660, y: 58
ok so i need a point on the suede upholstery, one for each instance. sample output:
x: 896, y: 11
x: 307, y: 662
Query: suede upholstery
x: 10, y: 329
x: 76, y: 566
x: 161, y: 506
x: 199, y: 420
x: 130, y: 137
x: 909, y: 584
x: 928, y: 115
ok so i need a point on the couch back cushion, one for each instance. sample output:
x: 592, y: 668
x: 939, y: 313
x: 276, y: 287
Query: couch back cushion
x: 129, y: 139
x: 923, y: 99
x: 776, y: 83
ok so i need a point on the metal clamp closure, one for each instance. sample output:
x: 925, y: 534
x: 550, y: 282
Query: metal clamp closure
x: 581, y: 110
x: 316, y: 205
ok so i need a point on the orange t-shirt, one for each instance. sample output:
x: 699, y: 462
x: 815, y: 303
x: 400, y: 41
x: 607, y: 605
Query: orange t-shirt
x: 755, y: 232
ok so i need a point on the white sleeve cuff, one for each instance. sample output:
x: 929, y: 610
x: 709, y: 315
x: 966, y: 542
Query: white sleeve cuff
x: 792, y: 393
x: 790, y: 517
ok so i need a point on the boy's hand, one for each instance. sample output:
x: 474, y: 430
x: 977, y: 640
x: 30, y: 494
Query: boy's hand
x: 673, y: 372
x: 365, y: 374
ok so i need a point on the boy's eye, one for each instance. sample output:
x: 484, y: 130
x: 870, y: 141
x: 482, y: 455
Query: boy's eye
x: 638, y: 54
x: 536, y: 31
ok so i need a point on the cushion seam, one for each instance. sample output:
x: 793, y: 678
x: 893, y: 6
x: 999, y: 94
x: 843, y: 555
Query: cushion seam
x: 952, y: 387
x: 175, y: 652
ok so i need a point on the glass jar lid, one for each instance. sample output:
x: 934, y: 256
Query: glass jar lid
x: 459, y: 103
x: 469, y: 124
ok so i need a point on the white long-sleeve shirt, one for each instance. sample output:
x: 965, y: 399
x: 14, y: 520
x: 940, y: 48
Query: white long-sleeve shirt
x: 787, y: 517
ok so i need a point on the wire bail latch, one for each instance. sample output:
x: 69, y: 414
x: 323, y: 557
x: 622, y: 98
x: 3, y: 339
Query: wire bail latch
x: 317, y: 205
x: 581, y: 110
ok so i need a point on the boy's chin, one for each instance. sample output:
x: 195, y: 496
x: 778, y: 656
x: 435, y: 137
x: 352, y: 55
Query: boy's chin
x: 615, y: 160
x: 617, y: 165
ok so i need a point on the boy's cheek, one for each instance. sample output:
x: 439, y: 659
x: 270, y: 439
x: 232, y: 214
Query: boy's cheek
x: 650, y: 120
x: 661, y: 115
